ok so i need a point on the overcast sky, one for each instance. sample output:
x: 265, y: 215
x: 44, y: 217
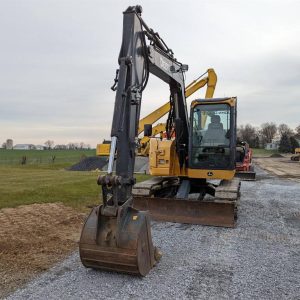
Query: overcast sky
x: 58, y: 61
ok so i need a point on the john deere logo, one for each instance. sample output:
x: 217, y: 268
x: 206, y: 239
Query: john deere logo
x: 210, y: 173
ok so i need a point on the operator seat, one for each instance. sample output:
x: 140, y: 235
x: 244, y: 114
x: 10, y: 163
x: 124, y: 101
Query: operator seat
x: 215, y: 134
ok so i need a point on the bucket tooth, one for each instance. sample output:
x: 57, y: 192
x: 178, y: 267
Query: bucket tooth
x: 121, y: 244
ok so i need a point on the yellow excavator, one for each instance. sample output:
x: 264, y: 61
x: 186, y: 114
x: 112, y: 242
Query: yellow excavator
x: 193, y: 167
x: 296, y: 157
x: 143, y: 148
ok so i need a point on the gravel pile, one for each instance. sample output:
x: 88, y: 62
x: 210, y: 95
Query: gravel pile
x: 259, y: 259
x: 90, y: 163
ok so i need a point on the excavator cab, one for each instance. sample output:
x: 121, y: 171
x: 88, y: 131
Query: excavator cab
x: 213, y: 135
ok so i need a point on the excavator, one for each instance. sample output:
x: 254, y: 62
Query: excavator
x: 193, y: 167
x: 143, y: 148
x: 244, y: 168
x: 296, y: 157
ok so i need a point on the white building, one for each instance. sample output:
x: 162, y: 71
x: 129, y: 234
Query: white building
x: 274, y: 145
x: 39, y: 147
x: 24, y: 147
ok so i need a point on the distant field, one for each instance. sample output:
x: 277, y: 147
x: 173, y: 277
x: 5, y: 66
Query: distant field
x: 56, y: 158
x: 263, y: 152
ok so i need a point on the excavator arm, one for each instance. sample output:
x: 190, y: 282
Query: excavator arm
x: 133, y: 75
x: 116, y: 236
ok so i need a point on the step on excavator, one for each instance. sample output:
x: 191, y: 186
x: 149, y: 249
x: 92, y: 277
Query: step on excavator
x: 193, y: 168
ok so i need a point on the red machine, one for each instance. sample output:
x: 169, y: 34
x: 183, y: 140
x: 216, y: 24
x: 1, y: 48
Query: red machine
x: 244, y: 168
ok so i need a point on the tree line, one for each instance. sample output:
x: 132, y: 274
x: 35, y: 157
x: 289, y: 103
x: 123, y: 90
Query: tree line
x: 49, y: 144
x: 259, y: 137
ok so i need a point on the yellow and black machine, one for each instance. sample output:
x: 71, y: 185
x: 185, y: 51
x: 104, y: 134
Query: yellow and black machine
x: 193, y: 167
x: 194, y: 181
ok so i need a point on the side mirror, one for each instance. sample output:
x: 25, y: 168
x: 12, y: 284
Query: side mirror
x: 148, y: 130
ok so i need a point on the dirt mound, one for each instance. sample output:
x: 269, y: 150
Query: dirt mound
x: 276, y: 155
x: 33, y: 238
x: 90, y: 163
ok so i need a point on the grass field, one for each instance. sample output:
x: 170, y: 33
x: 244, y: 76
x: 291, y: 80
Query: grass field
x: 263, y: 152
x: 41, y: 181
x: 44, y: 157
x: 28, y: 185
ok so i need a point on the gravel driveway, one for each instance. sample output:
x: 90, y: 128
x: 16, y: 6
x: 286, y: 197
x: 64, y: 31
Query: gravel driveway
x: 259, y: 259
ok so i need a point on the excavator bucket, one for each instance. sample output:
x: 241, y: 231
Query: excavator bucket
x: 121, y: 243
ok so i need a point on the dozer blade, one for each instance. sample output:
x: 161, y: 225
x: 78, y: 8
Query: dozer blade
x: 121, y: 244
x: 217, y: 210
x: 216, y: 213
x: 246, y: 175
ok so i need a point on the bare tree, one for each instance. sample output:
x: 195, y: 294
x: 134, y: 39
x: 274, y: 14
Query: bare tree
x: 267, y: 132
x: 294, y: 144
x: 285, y: 143
x: 49, y: 144
x: 60, y: 147
x: 249, y: 134
x: 82, y: 145
x: 284, y: 129
x: 297, y: 129
x: 71, y: 146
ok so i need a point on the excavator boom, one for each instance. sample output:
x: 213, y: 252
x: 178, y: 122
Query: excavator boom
x: 117, y: 236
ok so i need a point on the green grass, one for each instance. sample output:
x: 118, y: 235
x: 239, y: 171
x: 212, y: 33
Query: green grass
x: 32, y: 184
x: 263, y: 152
x: 63, y: 158
x: 28, y: 185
